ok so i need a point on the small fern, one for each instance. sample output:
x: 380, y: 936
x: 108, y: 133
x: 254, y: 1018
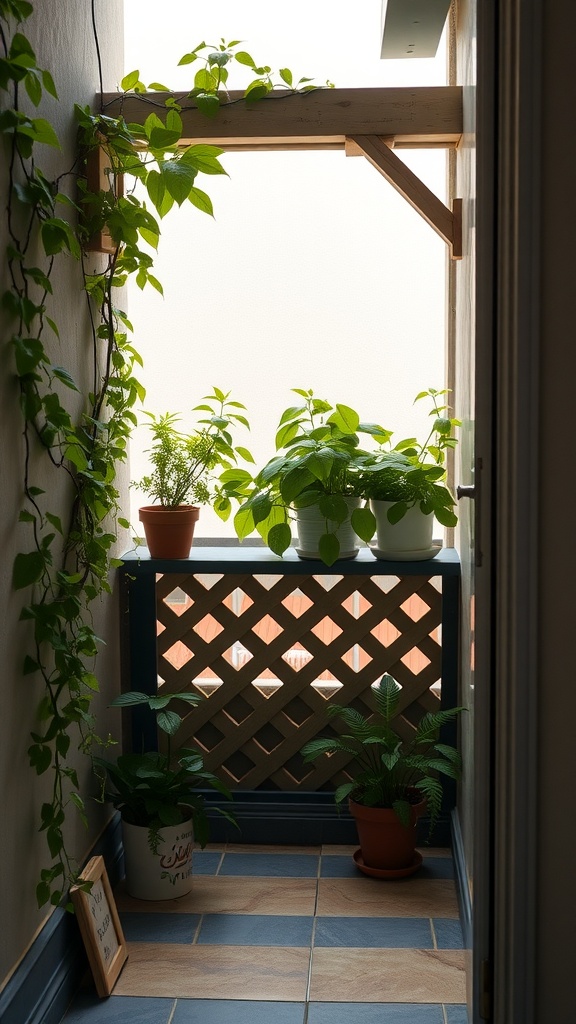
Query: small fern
x: 388, y: 771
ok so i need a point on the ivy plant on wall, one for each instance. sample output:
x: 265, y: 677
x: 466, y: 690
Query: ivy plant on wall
x: 66, y: 562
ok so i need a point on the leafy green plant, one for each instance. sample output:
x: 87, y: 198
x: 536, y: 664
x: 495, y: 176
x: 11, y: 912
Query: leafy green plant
x: 183, y: 464
x: 155, y: 789
x: 319, y: 465
x: 82, y: 430
x: 413, y: 473
x: 388, y: 771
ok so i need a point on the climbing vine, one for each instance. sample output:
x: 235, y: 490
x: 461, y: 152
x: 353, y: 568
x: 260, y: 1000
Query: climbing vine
x: 81, y: 436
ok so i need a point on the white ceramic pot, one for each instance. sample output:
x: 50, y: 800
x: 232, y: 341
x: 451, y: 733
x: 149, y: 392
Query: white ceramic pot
x: 164, y: 875
x: 412, y: 535
x: 311, y: 524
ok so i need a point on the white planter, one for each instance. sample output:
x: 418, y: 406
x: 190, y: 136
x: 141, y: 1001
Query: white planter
x: 411, y: 537
x: 164, y: 875
x: 311, y: 525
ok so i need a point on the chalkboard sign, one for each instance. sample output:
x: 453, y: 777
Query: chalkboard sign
x: 100, y: 926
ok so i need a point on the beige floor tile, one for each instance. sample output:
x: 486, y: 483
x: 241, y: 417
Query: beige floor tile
x: 214, y: 972
x: 370, y: 897
x: 339, y: 851
x: 388, y: 976
x: 226, y: 894
x: 247, y: 848
x: 434, y: 851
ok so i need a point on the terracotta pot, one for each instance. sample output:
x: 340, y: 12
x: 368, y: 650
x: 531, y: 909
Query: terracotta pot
x: 386, y: 843
x: 164, y: 875
x: 169, y: 531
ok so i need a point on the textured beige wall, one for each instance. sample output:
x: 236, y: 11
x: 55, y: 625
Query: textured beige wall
x: 62, y: 37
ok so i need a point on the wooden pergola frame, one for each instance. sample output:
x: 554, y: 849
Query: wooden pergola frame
x: 362, y: 122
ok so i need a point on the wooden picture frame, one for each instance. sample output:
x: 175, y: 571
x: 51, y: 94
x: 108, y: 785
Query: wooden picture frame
x: 100, y: 926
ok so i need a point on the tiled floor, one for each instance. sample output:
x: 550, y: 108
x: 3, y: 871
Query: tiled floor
x: 273, y: 935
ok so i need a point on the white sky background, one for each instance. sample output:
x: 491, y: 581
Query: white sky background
x: 314, y: 273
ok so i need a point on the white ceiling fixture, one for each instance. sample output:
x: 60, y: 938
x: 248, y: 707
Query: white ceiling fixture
x: 412, y: 28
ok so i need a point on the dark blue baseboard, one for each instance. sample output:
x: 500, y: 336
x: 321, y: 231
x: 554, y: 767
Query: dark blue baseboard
x: 303, y: 819
x: 45, y: 982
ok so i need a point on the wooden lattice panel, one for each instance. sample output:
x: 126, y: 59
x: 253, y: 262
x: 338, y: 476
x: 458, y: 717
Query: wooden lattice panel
x: 269, y: 651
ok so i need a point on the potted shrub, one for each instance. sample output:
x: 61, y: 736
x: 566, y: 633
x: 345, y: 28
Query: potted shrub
x: 161, y: 815
x: 394, y: 781
x: 312, y: 480
x: 182, y: 474
x: 406, y: 488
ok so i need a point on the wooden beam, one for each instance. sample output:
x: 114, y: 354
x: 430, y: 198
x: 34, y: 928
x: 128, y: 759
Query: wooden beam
x: 428, y: 116
x: 97, y: 171
x: 447, y: 223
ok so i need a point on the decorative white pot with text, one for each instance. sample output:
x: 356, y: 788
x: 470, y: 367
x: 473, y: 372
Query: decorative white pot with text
x: 164, y: 875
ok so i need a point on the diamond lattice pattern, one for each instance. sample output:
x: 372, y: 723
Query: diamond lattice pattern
x: 268, y: 652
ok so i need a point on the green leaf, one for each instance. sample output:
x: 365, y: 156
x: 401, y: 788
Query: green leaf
x: 244, y: 454
x: 65, y: 377
x: 244, y: 522
x: 168, y: 721
x: 178, y: 179
x: 286, y: 76
x: 33, y: 88
x: 129, y: 81
x: 48, y: 83
x: 345, y: 418
x: 329, y: 548
x: 208, y: 104
x: 279, y: 538
x: 201, y: 201
x: 333, y: 507
x: 28, y: 569
x: 42, y: 131
x: 244, y: 58
x: 363, y: 523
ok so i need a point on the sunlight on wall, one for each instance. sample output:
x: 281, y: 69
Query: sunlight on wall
x: 314, y: 272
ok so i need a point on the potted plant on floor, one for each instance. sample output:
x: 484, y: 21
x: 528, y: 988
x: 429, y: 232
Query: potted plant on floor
x: 406, y: 488
x: 161, y: 814
x: 183, y: 473
x: 394, y: 781
x: 313, y: 480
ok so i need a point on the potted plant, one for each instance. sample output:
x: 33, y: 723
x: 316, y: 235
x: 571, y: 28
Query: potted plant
x: 406, y: 488
x: 314, y: 480
x: 394, y: 780
x: 183, y: 473
x: 161, y: 815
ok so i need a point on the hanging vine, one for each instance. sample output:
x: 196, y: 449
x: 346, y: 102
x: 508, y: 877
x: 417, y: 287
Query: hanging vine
x: 67, y: 562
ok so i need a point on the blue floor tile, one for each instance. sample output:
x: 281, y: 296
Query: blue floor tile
x: 374, y: 932
x: 205, y: 863
x: 268, y: 865
x: 448, y: 933
x: 237, y: 1011
x: 255, y: 930
x: 333, y: 866
x: 159, y: 927
x: 456, y: 1014
x: 88, y: 1008
x: 375, y: 1013
x: 436, y: 867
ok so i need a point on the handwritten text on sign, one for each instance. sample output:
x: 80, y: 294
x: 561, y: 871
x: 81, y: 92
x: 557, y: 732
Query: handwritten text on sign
x: 103, y: 926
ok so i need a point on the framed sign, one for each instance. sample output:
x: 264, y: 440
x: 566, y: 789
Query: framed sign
x: 100, y: 926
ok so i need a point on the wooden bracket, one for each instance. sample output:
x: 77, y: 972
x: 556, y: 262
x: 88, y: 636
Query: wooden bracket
x: 98, y: 171
x: 447, y: 223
